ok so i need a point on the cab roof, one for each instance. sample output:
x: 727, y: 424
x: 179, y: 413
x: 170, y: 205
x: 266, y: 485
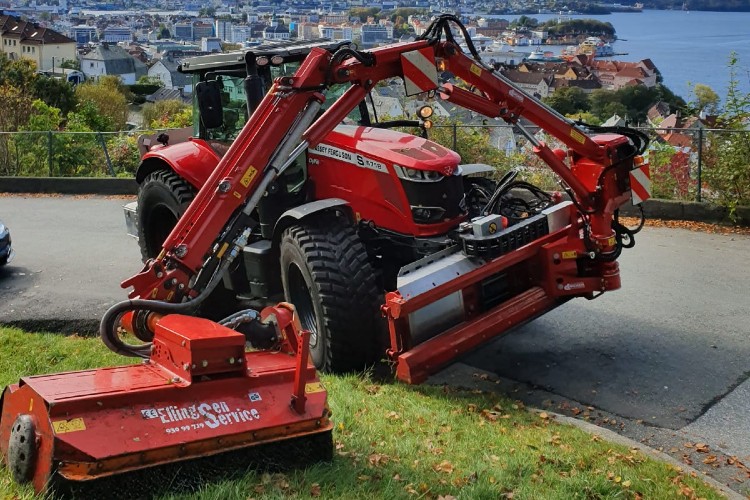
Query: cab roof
x: 290, y: 50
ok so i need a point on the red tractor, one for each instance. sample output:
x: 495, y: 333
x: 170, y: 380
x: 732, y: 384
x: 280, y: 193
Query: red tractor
x: 350, y: 214
x: 336, y: 227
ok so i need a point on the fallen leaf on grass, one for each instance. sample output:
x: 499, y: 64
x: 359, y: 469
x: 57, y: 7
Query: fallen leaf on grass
x: 446, y: 497
x: 378, y: 459
x: 444, y: 466
x: 315, y: 490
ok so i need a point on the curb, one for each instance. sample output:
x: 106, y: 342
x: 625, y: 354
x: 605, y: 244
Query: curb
x: 614, y: 437
x: 464, y: 376
x: 69, y: 185
x: 689, y: 210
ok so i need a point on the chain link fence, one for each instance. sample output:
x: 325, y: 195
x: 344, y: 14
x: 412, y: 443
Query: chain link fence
x: 697, y: 164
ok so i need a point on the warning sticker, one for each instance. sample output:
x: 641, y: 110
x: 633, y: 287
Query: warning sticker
x: 72, y: 425
x: 314, y: 387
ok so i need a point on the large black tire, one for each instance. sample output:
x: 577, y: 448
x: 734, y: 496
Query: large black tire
x: 327, y: 275
x: 162, y: 199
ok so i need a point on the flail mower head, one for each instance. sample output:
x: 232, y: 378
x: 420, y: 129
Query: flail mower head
x: 199, y: 405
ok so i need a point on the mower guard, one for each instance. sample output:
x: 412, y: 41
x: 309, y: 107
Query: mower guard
x: 199, y: 394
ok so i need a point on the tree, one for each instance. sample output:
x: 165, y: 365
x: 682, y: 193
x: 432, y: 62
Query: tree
x: 363, y: 12
x: 568, y: 100
x: 705, y: 99
x: 56, y: 93
x: 167, y: 114
x: 20, y: 74
x: 105, y: 97
x: 71, y: 64
x: 727, y: 155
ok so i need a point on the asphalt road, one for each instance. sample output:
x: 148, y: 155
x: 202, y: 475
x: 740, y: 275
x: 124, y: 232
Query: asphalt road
x: 668, y: 354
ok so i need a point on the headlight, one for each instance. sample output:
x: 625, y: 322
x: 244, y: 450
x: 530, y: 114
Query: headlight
x: 412, y: 174
x: 423, y: 215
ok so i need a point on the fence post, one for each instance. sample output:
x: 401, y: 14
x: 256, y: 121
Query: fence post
x: 700, y: 164
x: 49, y: 152
x: 106, y: 155
x: 455, y: 136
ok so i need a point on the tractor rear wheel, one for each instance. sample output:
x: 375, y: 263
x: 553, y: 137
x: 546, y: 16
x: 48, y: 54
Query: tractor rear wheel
x: 327, y: 275
x: 162, y: 199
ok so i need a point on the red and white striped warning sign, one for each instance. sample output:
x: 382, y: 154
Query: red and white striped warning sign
x: 420, y: 72
x: 640, y: 184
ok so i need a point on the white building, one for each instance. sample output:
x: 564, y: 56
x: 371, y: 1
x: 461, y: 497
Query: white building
x: 115, y: 34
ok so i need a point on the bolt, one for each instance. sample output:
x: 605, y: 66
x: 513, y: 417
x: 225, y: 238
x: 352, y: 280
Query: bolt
x: 231, y: 361
x: 180, y: 250
x: 224, y: 186
x: 186, y: 367
x: 559, y: 287
x: 159, y: 274
x: 556, y: 256
x: 183, y: 343
x: 204, y: 363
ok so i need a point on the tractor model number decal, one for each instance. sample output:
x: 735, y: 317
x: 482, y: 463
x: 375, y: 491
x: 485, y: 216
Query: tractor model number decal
x: 349, y: 157
x: 200, y: 416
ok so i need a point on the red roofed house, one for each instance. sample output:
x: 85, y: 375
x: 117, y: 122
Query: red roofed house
x: 615, y: 75
x: 46, y: 47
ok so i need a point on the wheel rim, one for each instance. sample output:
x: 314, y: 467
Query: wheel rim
x: 300, y: 296
x: 161, y: 221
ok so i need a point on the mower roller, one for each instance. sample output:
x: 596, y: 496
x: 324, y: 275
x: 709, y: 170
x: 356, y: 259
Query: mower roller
x: 198, y: 395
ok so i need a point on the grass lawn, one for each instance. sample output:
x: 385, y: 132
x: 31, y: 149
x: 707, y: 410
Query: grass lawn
x: 399, y: 441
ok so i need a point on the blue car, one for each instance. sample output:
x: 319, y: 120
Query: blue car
x: 6, y: 252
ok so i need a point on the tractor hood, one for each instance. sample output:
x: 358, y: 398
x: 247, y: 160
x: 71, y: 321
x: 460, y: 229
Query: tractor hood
x: 392, y: 147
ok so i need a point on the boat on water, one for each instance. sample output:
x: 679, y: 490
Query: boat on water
x: 539, y: 55
x: 595, y: 46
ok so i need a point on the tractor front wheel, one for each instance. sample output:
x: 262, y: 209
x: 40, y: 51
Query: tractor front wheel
x: 163, y: 198
x: 327, y: 275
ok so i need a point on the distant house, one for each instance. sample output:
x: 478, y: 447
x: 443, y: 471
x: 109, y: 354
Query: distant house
x: 165, y: 70
x: 615, y: 75
x: 112, y: 60
x: 657, y: 113
x: 537, y: 84
x: 24, y: 40
x: 276, y: 31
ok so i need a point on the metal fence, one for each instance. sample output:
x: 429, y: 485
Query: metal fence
x: 68, y: 154
x: 695, y: 164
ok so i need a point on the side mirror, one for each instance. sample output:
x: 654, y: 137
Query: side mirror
x: 208, y: 94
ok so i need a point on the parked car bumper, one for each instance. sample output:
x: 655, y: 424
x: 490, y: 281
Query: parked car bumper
x: 6, y: 250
